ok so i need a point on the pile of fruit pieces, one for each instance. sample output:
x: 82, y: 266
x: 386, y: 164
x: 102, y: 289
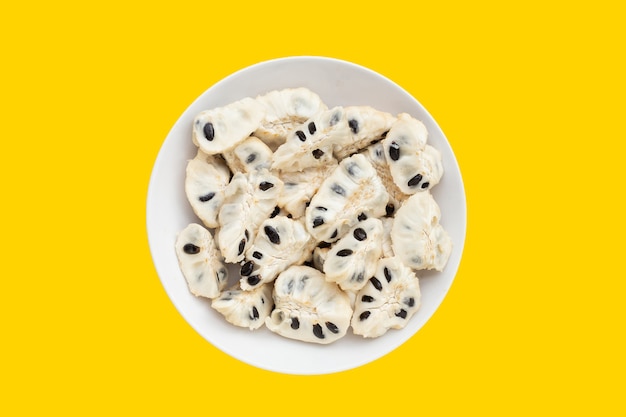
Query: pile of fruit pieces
x: 327, y: 213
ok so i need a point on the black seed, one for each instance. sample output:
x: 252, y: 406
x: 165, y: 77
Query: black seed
x: 334, y: 119
x: 359, y: 234
x: 334, y: 235
x: 245, y: 232
x: 308, y: 203
x: 191, y: 249
x: 264, y: 186
x: 290, y: 216
x: 209, y: 133
x: 358, y: 277
x: 242, y: 246
x: 344, y: 252
x: 354, y: 126
x: 257, y: 255
x: 384, y: 135
x: 312, y: 128
x: 338, y: 189
x: 317, y: 153
x: 394, y: 151
x: 253, y: 280
x: 323, y: 245
x: 389, y: 209
x: 317, y: 331
x: 362, y: 217
x: 351, y: 169
x: 295, y: 323
x: 275, y: 212
x: 272, y: 235
x: 255, y: 313
x: 301, y: 135
x: 401, y: 314
x: 318, y: 221
x: 246, y: 269
x: 251, y: 158
x: 387, y: 274
x: 332, y: 327
x: 262, y: 300
x: 364, y: 315
x: 205, y: 198
x: 415, y: 180
x: 367, y: 299
x: 425, y: 185
x: 376, y: 283
x: 410, y: 302
x: 321, y: 208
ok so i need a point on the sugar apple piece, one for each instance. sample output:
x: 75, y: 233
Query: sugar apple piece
x: 414, y: 165
x: 280, y: 243
x: 245, y: 308
x: 311, y: 144
x: 205, y: 182
x: 222, y: 128
x: 366, y: 125
x: 390, y: 298
x: 250, y: 155
x: 308, y: 308
x: 375, y: 154
x: 200, y: 261
x: 284, y: 110
x: 352, y: 260
x: 351, y: 193
x: 249, y: 200
x: 320, y: 253
x: 386, y: 243
x: 301, y: 186
x: 416, y: 235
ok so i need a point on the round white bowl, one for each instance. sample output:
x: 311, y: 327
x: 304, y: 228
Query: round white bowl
x: 168, y: 212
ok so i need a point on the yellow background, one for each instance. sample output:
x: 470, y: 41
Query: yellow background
x: 531, y: 97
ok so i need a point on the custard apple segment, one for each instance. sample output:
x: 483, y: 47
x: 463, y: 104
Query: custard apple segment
x: 284, y: 110
x: 414, y: 165
x: 200, y: 261
x: 416, y: 235
x: 245, y: 308
x: 352, y: 190
x: 250, y: 199
x: 222, y: 128
x: 388, y: 301
x: 309, y: 308
x: 249, y: 156
x: 352, y: 260
x: 366, y: 125
x: 311, y: 144
x: 206, y: 179
x: 280, y: 243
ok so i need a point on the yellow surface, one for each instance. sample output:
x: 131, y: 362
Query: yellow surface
x: 531, y: 98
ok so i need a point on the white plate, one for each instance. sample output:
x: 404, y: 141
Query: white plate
x: 168, y: 212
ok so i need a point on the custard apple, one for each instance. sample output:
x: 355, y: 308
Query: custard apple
x: 309, y: 308
x: 388, y: 301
